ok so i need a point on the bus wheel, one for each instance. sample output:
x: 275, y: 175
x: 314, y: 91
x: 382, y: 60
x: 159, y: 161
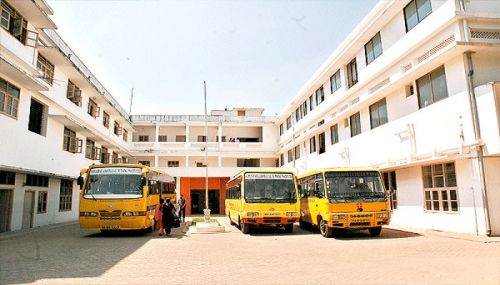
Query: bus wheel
x: 245, y: 228
x: 324, y: 229
x: 288, y: 228
x: 375, y: 231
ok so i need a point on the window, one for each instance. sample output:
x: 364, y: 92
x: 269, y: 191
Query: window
x: 202, y: 139
x: 200, y: 164
x: 241, y: 113
x: 440, y: 187
x: 105, y: 119
x: 42, y: 202
x: 290, y: 155
x: 312, y: 145
x: 162, y: 138
x: 173, y: 163
x: 378, y: 114
x: 117, y: 130
x: 223, y: 138
x: 297, y: 115
x: 125, y: 135
x: 281, y: 129
x: 415, y: 12
x: 93, y: 110
x: 46, y: 68
x: 143, y: 138
x: 320, y: 95
x: 409, y: 90
x: 74, y: 94
x: 321, y: 142
x: 70, y: 142
x: 180, y: 138
x: 9, y: 98
x: 288, y: 123
x: 104, y: 155
x: 114, y: 158
x: 352, y: 73
x: 37, y: 116
x: 335, y: 82
x: 65, y: 195
x: 311, y: 105
x: 432, y: 87
x: 37, y: 180
x: 373, y: 48
x: 296, y: 151
x: 355, y: 124
x: 145, y: 162
x: 304, y: 108
x: 13, y: 22
x: 7, y: 177
x: 334, y: 134
x: 91, y: 151
x: 282, y: 159
x: 390, y: 184
x: 247, y: 162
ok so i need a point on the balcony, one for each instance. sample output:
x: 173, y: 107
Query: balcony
x: 199, y: 118
x: 35, y: 12
x: 19, y: 75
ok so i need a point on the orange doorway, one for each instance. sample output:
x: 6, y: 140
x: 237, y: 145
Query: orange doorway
x: 193, y: 189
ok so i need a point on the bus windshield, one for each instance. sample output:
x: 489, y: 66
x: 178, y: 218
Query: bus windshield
x: 114, y: 182
x: 349, y: 185
x: 269, y: 188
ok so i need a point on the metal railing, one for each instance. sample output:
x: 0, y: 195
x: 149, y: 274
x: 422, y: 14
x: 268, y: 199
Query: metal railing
x: 201, y: 118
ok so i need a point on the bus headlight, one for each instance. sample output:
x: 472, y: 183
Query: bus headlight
x: 88, y: 214
x: 291, y: 214
x: 134, y: 214
x: 252, y: 214
x: 337, y: 217
x: 382, y: 216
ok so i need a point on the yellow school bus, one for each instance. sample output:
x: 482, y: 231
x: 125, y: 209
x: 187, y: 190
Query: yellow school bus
x: 262, y: 197
x: 121, y: 196
x: 343, y: 198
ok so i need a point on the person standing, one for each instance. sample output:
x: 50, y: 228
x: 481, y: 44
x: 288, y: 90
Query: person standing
x: 182, y: 209
x: 168, y: 216
x: 159, y: 217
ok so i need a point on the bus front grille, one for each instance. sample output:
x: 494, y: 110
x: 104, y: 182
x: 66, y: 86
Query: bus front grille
x: 359, y: 224
x: 110, y: 215
x: 272, y: 220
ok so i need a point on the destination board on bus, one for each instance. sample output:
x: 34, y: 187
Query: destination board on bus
x: 272, y: 176
x: 116, y: 171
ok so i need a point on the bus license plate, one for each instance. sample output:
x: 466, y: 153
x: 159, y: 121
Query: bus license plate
x: 110, y: 227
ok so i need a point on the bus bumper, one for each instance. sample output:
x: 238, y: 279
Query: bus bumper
x: 270, y: 220
x: 129, y: 223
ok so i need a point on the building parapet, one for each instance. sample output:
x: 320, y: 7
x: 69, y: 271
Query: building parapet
x: 200, y: 118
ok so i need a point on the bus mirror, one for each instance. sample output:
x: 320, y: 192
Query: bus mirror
x: 319, y: 194
x: 79, y: 181
x: 143, y: 181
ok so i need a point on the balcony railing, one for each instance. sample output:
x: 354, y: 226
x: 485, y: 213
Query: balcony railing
x: 200, y: 118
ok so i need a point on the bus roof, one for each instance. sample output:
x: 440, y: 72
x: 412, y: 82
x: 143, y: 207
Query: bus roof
x: 321, y: 170
x: 263, y: 170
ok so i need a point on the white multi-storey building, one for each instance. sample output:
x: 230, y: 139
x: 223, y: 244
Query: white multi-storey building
x: 235, y: 140
x: 55, y: 118
x: 415, y: 91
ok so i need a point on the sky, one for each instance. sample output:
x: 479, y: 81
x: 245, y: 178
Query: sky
x: 251, y: 53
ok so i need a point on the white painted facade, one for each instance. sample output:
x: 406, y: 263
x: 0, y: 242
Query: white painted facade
x: 445, y: 132
x: 27, y: 151
x: 414, y: 136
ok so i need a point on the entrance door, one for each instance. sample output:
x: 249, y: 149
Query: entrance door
x: 5, y: 210
x: 198, y: 201
x: 28, y: 209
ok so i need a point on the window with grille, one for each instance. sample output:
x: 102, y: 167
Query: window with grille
x: 65, y: 195
x: 173, y: 163
x: 378, y: 114
x: 9, y: 98
x: 143, y: 138
x: 415, y: 12
x: 335, y: 82
x: 440, y: 187
x: 432, y: 87
x: 42, y: 202
x: 355, y: 124
x: 162, y: 138
x: 46, y: 68
x: 37, y: 180
x: 70, y: 142
x: 202, y: 138
x: 74, y: 94
x: 7, y: 177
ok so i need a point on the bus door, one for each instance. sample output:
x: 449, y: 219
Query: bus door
x: 316, y: 196
x: 305, y: 190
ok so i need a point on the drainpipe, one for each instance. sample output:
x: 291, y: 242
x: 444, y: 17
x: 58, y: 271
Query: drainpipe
x: 477, y: 134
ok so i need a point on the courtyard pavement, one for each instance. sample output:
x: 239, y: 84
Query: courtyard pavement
x: 63, y: 254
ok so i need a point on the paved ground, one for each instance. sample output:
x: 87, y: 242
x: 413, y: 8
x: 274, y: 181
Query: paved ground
x: 65, y: 255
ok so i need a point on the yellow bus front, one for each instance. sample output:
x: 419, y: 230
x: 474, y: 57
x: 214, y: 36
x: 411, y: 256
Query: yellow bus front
x: 269, y: 199
x: 116, y: 198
